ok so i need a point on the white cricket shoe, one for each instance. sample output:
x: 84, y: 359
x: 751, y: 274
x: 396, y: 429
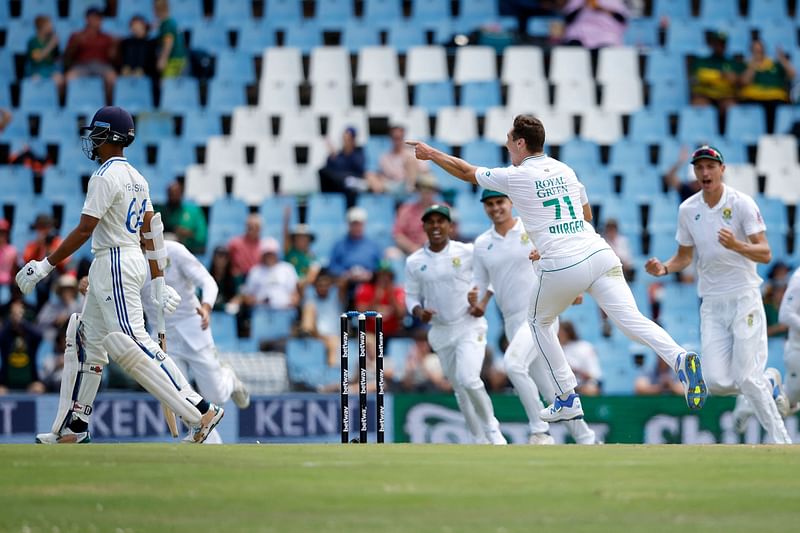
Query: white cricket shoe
x: 198, y: 434
x: 561, y: 410
x: 496, y: 437
x: 541, y: 439
x: 741, y: 414
x: 781, y: 401
x: 690, y: 373
x: 66, y: 437
x: 240, y: 394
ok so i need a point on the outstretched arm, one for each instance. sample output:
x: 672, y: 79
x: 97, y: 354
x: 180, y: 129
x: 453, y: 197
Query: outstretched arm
x: 451, y: 164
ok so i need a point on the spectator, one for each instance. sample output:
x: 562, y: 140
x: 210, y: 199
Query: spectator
x: 660, y: 380
x: 595, y: 23
x: 221, y: 269
x: 272, y: 282
x: 766, y: 81
x: 297, y: 251
x: 245, y: 249
x: 684, y: 187
x: 56, y: 312
x: 8, y: 256
x: 19, y: 341
x: 398, y: 169
x: 91, y: 52
x: 344, y: 170
x: 582, y: 359
x: 621, y: 246
x: 381, y: 294
x: 355, y: 257
x: 320, y: 312
x: 185, y: 219
x: 44, y: 243
x: 713, y: 79
x: 407, y: 232
x: 41, y: 59
x: 171, y: 60
x: 136, y: 50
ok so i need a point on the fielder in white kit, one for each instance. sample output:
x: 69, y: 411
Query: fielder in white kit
x: 574, y: 259
x: 725, y: 228
x: 503, y: 268
x: 116, y: 209
x: 789, y: 314
x: 438, y: 278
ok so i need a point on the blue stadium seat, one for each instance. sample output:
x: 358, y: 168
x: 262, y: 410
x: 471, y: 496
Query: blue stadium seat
x: 186, y: 11
x: 173, y: 155
x: 677, y: 10
x: 785, y: 117
x: 663, y: 216
x: 669, y: 95
x: 669, y: 151
x: 208, y: 36
x: 760, y: 11
x: 397, y: 351
x: 374, y: 148
x: 427, y: 10
x: 738, y: 38
x: 482, y: 152
x: 641, y: 184
x: 154, y: 126
x: 472, y: 220
x: 333, y: 14
x: 224, y: 328
x: 306, y: 361
x: 598, y: 181
x: 686, y: 37
x: 779, y: 33
x: 481, y: 95
x: 232, y: 12
x: 662, y: 243
x: 379, y: 207
x: 580, y: 153
x: 179, y: 94
x: 39, y: 95
x: 662, y: 65
x: 540, y: 27
x: 778, y: 245
x: 325, y: 208
x: 59, y: 184
x: 200, y: 124
x: 158, y: 180
x: 31, y: 8
x: 5, y: 94
x: 718, y: 10
x: 284, y: 12
x: 628, y: 153
x: 494, y: 320
x: 17, y: 36
x: 272, y: 324
x: 228, y: 211
x: 624, y: 211
x: 475, y: 13
x: 7, y: 68
x: 272, y: 212
x: 303, y: 36
x: 17, y: 183
x: 134, y: 93
x: 381, y: 13
x: 84, y: 94
x: 77, y: 13
x: 734, y: 150
x: 774, y: 213
x: 71, y: 157
x: 235, y: 66
x: 254, y: 36
x: 358, y: 34
x: 56, y: 125
x: 17, y: 129
x: 641, y: 32
x: 125, y: 10
x: 403, y: 35
x: 746, y: 123
x: 433, y: 96
x: 697, y: 125
x: 136, y: 153
x: 225, y: 94
x: 326, y: 235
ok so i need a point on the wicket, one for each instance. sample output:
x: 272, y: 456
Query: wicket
x: 344, y: 384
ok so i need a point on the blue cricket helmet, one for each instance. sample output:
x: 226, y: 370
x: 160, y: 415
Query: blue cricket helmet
x: 111, y: 124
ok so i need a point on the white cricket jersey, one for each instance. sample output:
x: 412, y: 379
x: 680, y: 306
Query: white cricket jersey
x: 547, y: 195
x: 440, y: 281
x: 119, y: 197
x: 789, y: 313
x: 502, y: 263
x: 185, y: 274
x: 720, y: 271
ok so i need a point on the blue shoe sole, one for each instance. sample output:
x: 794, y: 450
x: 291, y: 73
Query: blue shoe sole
x: 696, y: 387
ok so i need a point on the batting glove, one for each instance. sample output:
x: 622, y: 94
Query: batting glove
x: 165, y: 296
x: 32, y: 273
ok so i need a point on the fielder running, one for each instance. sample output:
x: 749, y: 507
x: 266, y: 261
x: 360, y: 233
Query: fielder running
x: 503, y: 268
x: 789, y: 314
x: 574, y: 259
x: 438, y: 278
x: 725, y: 227
x: 116, y: 209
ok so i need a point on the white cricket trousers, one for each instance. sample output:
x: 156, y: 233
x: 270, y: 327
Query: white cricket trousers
x: 559, y: 281
x: 214, y: 381
x: 461, y: 349
x: 733, y: 335
x: 791, y: 382
x: 113, y: 303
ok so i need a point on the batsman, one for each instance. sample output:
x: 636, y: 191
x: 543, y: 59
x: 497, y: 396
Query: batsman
x: 116, y: 210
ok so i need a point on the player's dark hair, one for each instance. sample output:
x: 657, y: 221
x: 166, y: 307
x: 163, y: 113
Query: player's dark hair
x: 530, y: 129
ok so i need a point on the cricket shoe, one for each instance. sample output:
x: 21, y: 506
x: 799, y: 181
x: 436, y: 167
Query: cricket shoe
x: 541, y: 439
x: 741, y: 414
x: 690, y: 373
x: 208, y: 422
x: 240, y: 394
x: 781, y: 401
x: 66, y: 437
x: 496, y: 437
x: 561, y: 410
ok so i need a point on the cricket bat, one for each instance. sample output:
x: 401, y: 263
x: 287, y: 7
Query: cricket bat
x: 169, y: 416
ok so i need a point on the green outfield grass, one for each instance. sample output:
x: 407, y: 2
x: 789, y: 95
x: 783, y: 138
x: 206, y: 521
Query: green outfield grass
x: 156, y: 487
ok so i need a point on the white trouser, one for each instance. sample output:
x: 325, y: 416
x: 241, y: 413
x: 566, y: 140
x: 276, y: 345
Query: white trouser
x: 214, y: 381
x: 733, y: 333
x: 556, y: 285
x: 113, y: 304
x: 791, y: 382
x: 461, y: 349
x: 530, y: 376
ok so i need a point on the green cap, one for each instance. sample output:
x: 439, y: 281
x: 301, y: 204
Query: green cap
x: 487, y: 193
x: 707, y: 152
x: 437, y: 208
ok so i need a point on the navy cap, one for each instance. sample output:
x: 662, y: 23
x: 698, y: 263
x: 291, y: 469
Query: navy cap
x: 488, y: 193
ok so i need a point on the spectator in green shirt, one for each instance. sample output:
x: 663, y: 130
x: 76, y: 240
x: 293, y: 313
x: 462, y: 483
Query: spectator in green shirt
x: 171, y: 60
x: 766, y: 81
x: 713, y: 79
x: 42, y: 56
x: 297, y: 252
x: 185, y: 219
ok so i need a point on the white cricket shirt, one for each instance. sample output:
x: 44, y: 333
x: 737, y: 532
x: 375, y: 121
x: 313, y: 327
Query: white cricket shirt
x: 440, y: 281
x: 789, y: 313
x: 720, y: 271
x: 119, y: 197
x: 547, y: 195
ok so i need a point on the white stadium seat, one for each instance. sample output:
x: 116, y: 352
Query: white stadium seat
x: 330, y: 63
x: 456, y: 125
x: 329, y: 96
x: 385, y: 97
x: 569, y: 63
x: 575, y: 96
x: 415, y: 120
x: 426, y: 64
x: 522, y: 64
x: 250, y: 123
x: 204, y: 185
x: 283, y: 64
x: 622, y: 95
x: 252, y: 185
x: 475, y: 63
x: 743, y: 178
x: 278, y: 96
x: 616, y: 62
x: 377, y: 64
x: 528, y: 95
